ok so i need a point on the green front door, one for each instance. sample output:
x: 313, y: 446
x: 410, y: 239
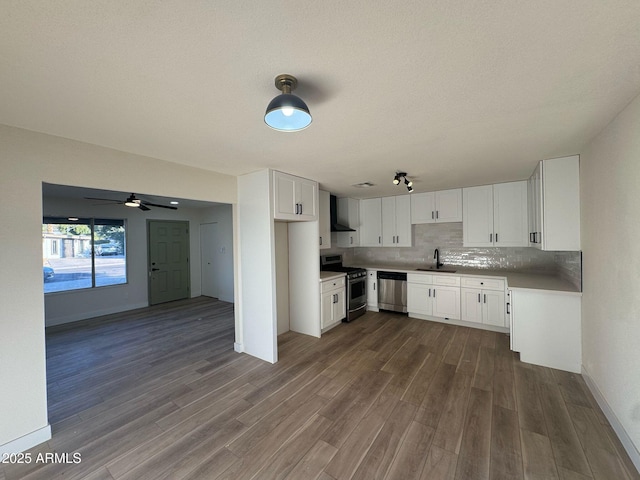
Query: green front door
x: 168, y: 261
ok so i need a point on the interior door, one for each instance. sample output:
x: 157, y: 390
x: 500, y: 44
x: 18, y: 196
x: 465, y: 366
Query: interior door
x: 208, y: 232
x: 168, y: 243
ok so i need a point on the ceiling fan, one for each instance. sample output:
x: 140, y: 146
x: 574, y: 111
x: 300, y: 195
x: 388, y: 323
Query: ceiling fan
x: 134, y: 202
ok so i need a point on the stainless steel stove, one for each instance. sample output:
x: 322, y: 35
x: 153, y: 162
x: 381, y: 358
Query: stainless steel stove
x: 356, y: 284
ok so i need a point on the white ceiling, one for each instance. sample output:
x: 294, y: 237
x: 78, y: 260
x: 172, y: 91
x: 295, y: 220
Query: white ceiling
x: 456, y: 93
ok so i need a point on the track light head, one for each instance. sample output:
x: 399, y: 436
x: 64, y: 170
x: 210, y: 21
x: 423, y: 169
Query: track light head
x: 410, y: 188
x: 408, y: 182
x: 396, y: 179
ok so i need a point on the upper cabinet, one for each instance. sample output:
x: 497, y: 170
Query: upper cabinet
x: 396, y: 221
x: 437, y: 207
x: 324, y: 219
x: 349, y: 215
x: 295, y: 198
x: 554, y: 205
x: 371, y: 222
x: 495, y: 215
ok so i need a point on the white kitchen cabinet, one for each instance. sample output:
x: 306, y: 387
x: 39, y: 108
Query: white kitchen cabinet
x: 295, y: 198
x: 483, y: 300
x: 348, y: 210
x: 433, y: 295
x: 419, y: 298
x: 371, y: 222
x: 372, y: 290
x: 554, y: 194
x: 324, y: 219
x: 546, y: 328
x: 495, y: 215
x: 396, y: 221
x: 483, y: 306
x: 437, y: 207
x: 332, y: 302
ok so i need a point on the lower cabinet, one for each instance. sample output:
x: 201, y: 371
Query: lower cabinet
x: 332, y: 302
x: 546, y: 328
x: 433, y: 295
x: 483, y: 306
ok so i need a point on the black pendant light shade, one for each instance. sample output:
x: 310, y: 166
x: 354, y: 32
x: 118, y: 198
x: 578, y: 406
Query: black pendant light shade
x: 287, y: 112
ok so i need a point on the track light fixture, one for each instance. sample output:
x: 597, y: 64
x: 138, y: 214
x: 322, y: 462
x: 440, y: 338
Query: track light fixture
x: 407, y: 182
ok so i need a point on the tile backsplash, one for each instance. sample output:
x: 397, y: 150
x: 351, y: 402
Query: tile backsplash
x: 447, y: 238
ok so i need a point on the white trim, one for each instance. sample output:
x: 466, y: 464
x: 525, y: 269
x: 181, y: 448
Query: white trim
x: 27, y: 441
x: 238, y: 347
x: 627, y: 443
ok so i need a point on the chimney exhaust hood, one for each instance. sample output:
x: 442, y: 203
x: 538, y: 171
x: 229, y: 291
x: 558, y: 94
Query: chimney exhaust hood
x: 333, y: 212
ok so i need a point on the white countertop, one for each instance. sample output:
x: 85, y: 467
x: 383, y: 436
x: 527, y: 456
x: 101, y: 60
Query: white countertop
x: 515, y: 279
x: 330, y: 275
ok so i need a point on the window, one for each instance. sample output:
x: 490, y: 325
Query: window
x: 83, y: 253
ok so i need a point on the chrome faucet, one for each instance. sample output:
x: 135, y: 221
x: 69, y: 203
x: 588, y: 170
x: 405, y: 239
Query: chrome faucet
x: 436, y: 255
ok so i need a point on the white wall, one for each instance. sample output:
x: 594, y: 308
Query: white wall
x: 26, y: 160
x: 257, y: 277
x: 281, y: 239
x: 222, y: 216
x: 610, y: 205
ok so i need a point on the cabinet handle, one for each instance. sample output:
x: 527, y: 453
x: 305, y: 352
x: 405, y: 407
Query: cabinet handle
x: 374, y: 287
x: 397, y: 238
x: 429, y: 292
x: 297, y: 209
x: 300, y: 209
x: 530, y: 237
x: 320, y: 240
x: 496, y: 238
x: 491, y: 238
x: 437, y: 216
x: 485, y: 298
x: 432, y: 215
x: 434, y: 293
x: 379, y: 239
x: 351, y: 240
x: 508, y: 308
x: 478, y: 298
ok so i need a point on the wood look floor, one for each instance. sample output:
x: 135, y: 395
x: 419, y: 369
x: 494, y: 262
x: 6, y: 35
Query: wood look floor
x: 159, y: 393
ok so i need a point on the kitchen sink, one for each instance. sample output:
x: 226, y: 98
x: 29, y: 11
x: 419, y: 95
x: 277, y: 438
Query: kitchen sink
x: 433, y: 269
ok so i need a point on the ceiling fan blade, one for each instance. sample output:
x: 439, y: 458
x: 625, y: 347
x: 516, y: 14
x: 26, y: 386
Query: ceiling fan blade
x: 143, y: 207
x: 103, y: 199
x: 160, y: 206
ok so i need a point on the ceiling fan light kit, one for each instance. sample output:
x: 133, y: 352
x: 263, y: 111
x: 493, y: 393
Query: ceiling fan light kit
x: 133, y: 202
x: 287, y: 112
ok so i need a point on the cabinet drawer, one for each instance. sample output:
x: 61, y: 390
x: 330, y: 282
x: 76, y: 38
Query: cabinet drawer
x: 486, y: 283
x: 420, y: 278
x: 446, y: 280
x: 328, y: 285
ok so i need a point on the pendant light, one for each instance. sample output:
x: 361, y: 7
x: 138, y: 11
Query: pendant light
x: 287, y: 112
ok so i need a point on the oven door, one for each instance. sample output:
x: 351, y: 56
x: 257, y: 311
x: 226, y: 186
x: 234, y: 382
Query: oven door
x: 357, y: 293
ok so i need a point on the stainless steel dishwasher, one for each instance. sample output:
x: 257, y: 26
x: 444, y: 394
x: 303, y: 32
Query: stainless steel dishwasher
x: 392, y: 291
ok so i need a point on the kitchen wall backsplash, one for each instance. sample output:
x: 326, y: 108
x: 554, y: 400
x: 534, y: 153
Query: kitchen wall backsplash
x: 447, y: 238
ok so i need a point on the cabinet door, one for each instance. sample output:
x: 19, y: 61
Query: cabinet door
x: 349, y: 215
x: 477, y: 216
x: 423, y: 208
x: 372, y: 289
x: 339, y: 306
x: 448, y: 205
x: 371, y: 222
x: 324, y: 223
x: 419, y: 298
x: 510, y: 220
x: 471, y: 305
x: 493, y: 308
x: 285, y: 196
x: 403, y: 221
x: 389, y: 222
x: 307, y: 197
x: 326, y: 309
x: 446, y: 302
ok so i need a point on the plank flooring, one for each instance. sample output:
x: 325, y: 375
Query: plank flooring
x: 159, y: 393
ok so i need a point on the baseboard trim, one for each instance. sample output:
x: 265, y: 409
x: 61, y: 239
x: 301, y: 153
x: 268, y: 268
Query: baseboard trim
x: 626, y: 441
x: 238, y: 347
x: 27, y: 441
x: 53, y: 322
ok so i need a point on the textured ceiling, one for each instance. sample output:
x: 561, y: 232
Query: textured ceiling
x: 456, y: 93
